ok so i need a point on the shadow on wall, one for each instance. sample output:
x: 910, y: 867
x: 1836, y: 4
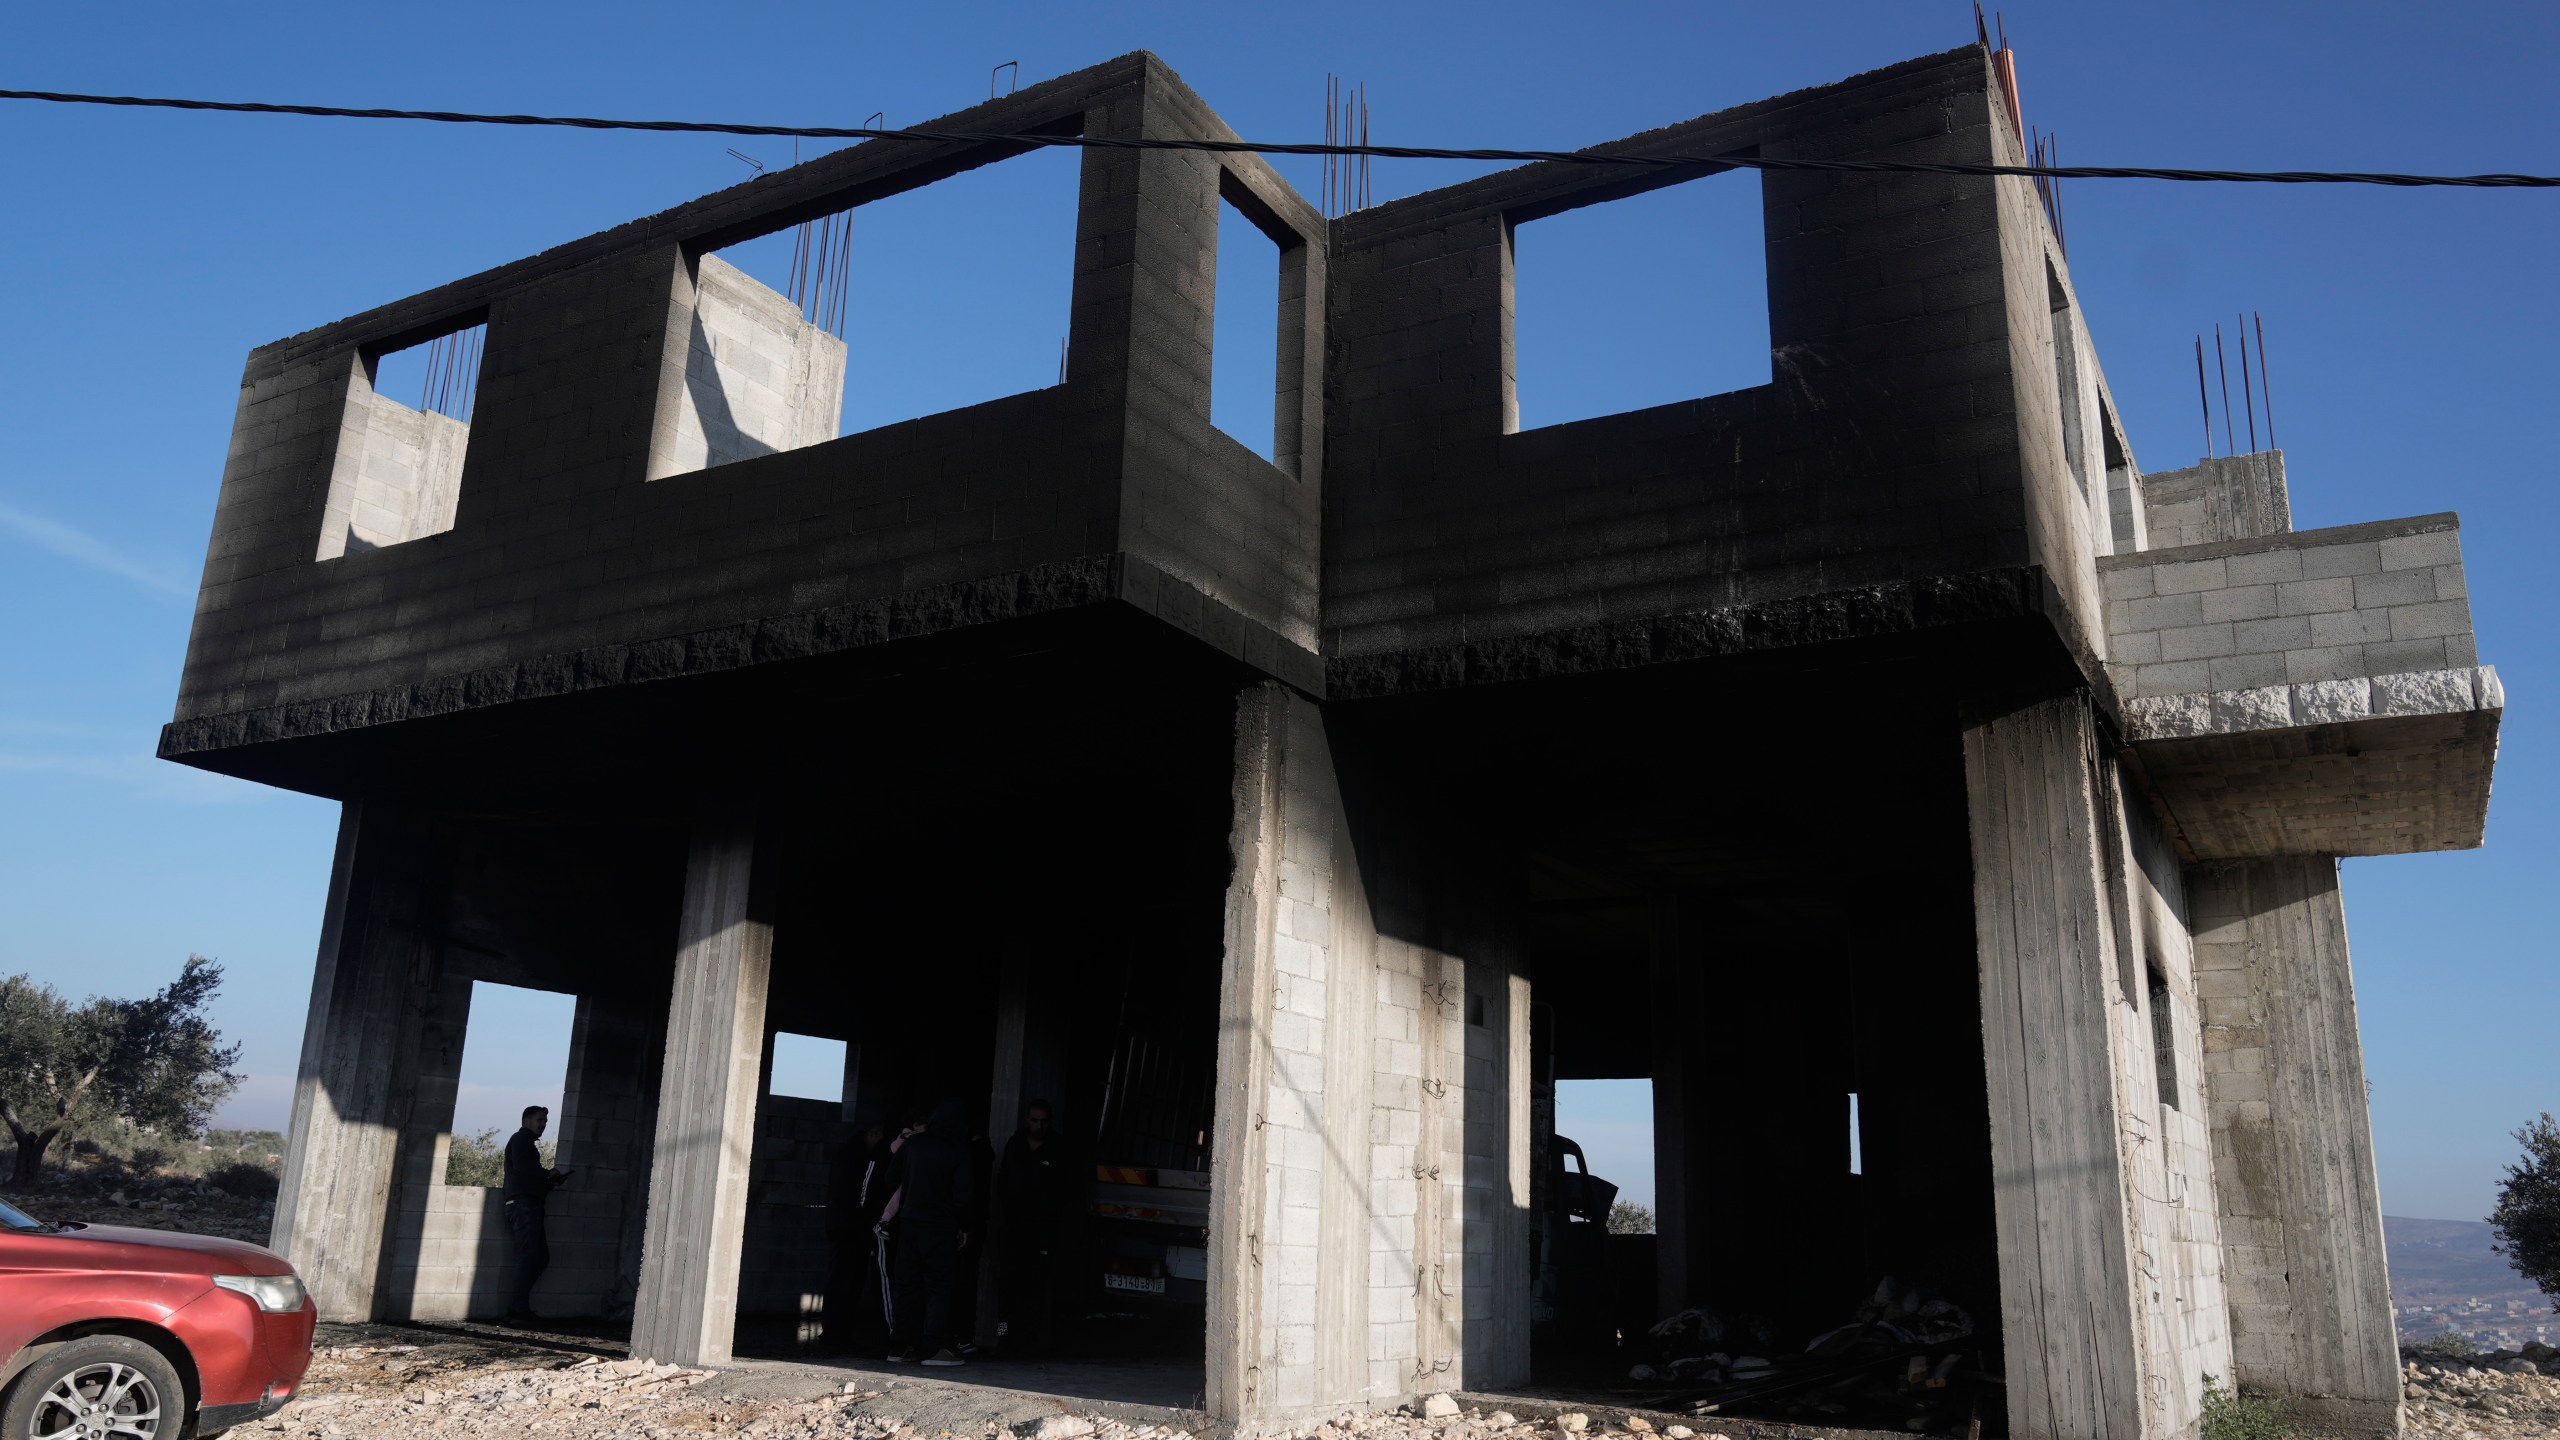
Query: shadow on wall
x: 723, y: 439
x: 759, y: 378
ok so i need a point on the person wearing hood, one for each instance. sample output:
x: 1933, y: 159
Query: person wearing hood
x: 936, y: 1182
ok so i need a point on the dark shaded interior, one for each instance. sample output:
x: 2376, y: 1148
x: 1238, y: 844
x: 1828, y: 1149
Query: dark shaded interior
x: 1750, y: 885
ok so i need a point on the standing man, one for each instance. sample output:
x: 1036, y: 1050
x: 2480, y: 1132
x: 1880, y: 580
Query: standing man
x: 937, y: 1190
x: 1035, y: 1195
x: 528, y: 1186
x: 857, y: 1312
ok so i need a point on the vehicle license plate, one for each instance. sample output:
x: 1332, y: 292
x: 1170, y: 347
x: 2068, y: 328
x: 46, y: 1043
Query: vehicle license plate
x: 1143, y: 1284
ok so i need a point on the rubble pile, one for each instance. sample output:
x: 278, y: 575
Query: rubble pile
x: 1903, y: 1361
x: 2492, y: 1397
x: 99, y: 1194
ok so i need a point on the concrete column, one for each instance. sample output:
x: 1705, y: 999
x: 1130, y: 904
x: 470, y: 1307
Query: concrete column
x: 686, y: 1311
x: 2301, y: 1211
x: 1239, y: 1158
x: 1675, y: 1038
x: 1368, y: 1184
x: 351, y: 1097
x: 2045, y: 937
x: 1005, y: 1099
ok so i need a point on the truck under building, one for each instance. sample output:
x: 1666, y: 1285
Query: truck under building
x: 1880, y: 731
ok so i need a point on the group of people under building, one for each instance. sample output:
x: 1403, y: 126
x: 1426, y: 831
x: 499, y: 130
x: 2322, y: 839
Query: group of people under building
x: 907, y: 1234
x: 907, y: 1231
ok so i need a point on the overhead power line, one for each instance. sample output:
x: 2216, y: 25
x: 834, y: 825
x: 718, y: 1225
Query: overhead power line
x: 1384, y: 152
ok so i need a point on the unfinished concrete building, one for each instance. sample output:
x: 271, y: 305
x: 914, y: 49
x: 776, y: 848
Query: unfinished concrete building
x: 1881, y: 731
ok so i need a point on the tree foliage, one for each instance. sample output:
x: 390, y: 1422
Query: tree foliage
x: 1627, y: 1218
x: 2528, y: 1214
x: 482, y: 1159
x: 156, y: 1063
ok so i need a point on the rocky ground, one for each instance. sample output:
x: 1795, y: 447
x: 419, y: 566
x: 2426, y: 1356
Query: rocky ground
x: 446, y: 1384
x: 2489, y: 1397
x: 105, y: 1194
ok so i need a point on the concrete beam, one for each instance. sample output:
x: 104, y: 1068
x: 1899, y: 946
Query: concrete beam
x: 2293, y: 1167
x: 687, y: 1307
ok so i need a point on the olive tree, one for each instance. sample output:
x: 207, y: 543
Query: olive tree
x: 157, y: 1062
x: 2528, y: 1213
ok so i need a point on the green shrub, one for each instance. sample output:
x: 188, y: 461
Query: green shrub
x: 248, y: 1181
x: 2443, y: 1345
x: 2229, y: 1415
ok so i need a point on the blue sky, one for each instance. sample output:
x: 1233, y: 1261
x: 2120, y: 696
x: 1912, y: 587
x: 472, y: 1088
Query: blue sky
x: 2412, y: 338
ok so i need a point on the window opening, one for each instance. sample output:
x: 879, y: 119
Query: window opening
x: 515, y: 1053
x: 1244, y: 348
x: 409, y: 419
x: 1641, y: 301
x: 1612, y: 1120
x: 933, y: 299
x: 807, y: 1067
x: 2067, y: 387
x: 2164, y: 1038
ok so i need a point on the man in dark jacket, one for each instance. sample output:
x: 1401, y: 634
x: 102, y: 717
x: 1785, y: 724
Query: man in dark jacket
x: 857, y: 1280
x: 528, y: 1186
x: 937, y: 1191
x: 1035, y: 1197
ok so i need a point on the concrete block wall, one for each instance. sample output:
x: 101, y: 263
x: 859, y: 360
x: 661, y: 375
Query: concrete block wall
x: 608, y: 1121
x: 565, y: 569
x: 2165, y: 1138
x: 2301, y: 609
x: 398, y: 474
x: 782, y: 1268
x: 1887, y: 447
x: 758, y: 376
x: 1195, y: 501
x: 1372, y: 1196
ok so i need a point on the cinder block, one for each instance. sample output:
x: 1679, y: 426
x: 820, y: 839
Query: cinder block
x: 2162, y: 612
x: 2265, y: 567
x: 2433, y: 620
x: 2395, y: 587
x: 2346, y: 627
x: 2316, y: 596
x: 2196, y: 642
x: 2421, y: 552
x: 2246, y: 672
x: 2240, y: 602
x: 2289, y: 633
x: 2322, y: 561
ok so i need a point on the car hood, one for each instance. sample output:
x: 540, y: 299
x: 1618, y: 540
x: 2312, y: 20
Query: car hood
x: 200, y: 1254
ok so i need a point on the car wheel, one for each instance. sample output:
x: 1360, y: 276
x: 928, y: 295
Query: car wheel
x: 98, y: 1387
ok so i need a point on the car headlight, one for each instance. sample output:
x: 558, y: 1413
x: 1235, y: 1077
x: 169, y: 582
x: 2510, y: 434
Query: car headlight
x: 275, y: 1294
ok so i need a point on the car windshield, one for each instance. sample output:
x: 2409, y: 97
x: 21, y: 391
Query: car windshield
x: 17, y: 1219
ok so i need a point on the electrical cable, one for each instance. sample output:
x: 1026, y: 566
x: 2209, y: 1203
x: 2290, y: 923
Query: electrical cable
x: 1739, y: 161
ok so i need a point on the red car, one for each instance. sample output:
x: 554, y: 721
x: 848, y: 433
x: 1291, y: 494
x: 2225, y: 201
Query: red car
x: 108, y: 1333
